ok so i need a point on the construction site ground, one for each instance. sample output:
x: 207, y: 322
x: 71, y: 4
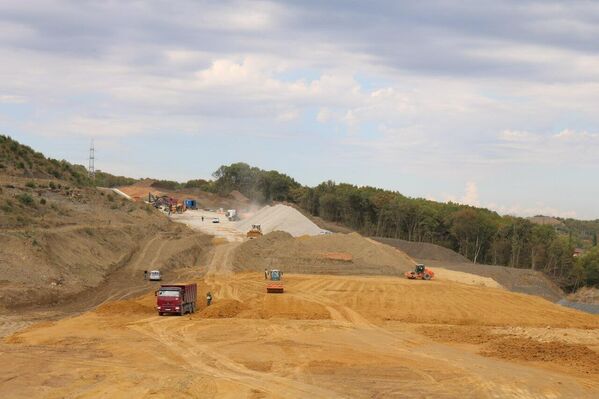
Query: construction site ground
x: 203, y: 220
x: 325, y: 337
x: 77, y: 319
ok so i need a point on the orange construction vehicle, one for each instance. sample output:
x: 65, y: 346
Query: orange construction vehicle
x: 420, y: 273
x: 255, y: 232
x: 275, y: 285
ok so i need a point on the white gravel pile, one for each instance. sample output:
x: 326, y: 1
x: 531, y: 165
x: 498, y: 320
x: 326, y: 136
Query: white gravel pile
x: 281, y: 218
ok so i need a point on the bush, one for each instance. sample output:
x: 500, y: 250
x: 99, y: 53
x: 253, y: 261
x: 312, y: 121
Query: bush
x: 43, y: 201
x: 20, y: 165
x: 25, y: 199
x: 7, y: 207
x: 30, y: 184
x: 52, y: 185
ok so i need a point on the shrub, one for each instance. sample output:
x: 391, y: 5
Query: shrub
x: 43, y: 201
x: 20, y: 165
x: 25, y: 199
x: 30, y: 184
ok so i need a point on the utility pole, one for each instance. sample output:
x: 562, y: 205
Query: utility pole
x: 91, y: 169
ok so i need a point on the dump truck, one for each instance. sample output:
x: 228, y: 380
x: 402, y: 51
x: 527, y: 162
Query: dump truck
x: 176, y: 299
x: 231, y: 214
x: 275, y: 284
x: 255, y: 232
x: 420, y: 273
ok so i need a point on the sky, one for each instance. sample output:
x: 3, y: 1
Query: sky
x: 487, y: 103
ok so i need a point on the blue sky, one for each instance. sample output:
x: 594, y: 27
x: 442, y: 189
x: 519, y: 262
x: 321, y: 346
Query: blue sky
x: 490, y: 103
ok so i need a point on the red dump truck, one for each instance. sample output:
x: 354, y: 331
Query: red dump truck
x: 176, y: 298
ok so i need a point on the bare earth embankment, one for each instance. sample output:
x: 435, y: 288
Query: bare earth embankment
x: 325, y: 337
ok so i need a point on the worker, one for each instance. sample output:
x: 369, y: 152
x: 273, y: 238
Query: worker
x: 208, y: 299
x: 265, y: 274
x: 202, y: 218
x: 145, y: 274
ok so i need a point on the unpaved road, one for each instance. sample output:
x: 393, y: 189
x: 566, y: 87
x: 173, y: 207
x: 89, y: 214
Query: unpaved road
x: 201, y: 220
x: 325, y: 337
x: 159, y: 251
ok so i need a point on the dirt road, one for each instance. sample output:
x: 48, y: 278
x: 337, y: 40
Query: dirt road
x: 326, y: 337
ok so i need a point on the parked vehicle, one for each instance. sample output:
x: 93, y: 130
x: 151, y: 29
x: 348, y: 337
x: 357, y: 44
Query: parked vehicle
x: 155, y: 275
x: 176, y: 299
x: 216, y: 220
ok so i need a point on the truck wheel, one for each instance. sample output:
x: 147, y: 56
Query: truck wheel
x: 426, y: 276
x: 160, y: 313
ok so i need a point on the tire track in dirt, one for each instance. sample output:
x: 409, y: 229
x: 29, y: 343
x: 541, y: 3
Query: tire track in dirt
x: 201, y: 358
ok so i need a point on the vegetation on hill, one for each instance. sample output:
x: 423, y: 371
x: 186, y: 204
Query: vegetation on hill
x: 481, y: 235
x: 20, y: 160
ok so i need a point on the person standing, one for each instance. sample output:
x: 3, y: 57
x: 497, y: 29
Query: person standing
x: 208, y: 299
x: 145, y: 274
x: 265, y: 274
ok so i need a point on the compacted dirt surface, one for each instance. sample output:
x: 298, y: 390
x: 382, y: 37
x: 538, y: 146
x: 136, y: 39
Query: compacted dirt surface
x: 325, y: 337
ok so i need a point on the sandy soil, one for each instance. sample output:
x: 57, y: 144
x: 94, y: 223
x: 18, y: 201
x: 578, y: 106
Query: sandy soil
x: 202, y: 220
x: 325, y: 337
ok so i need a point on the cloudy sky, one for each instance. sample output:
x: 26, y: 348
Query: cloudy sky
x: 491, y: 103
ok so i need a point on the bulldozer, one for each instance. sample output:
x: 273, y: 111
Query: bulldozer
x: 420, y: 273
x: 255, y: 232
x: 275, y: 285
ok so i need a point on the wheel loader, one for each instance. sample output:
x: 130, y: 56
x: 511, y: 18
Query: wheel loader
x: 420, y: 273
x: 275, y: 285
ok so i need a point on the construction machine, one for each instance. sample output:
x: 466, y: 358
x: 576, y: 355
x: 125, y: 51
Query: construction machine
x: 275, y: 285
x: 255, y: 232
x: 420, y: 273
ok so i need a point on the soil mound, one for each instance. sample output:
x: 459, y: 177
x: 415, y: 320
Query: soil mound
x: 281, y: 218
x: 323, y: 254
x: 223, y: 309
x: 528, y: 349
x: 424, y: 250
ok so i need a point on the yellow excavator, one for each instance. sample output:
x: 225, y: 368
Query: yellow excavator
x: 255, y: 232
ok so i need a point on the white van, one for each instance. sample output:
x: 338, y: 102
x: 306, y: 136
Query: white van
x: 155, y: 275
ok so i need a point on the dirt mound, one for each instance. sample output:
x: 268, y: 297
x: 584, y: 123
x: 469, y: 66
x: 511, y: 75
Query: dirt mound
x: 222, y: 309
x: 528, y: 349
x: 326, y: 254
x: 423, y: 250
x: 281, y: 218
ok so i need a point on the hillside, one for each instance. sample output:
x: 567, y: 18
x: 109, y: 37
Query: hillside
x: 61, y: 237
x: 20, y: 160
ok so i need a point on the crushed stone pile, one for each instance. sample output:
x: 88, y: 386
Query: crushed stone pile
x: 352, y: 254
x: 281, y: 218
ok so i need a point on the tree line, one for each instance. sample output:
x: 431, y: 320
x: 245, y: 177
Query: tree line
x: 479, y: 234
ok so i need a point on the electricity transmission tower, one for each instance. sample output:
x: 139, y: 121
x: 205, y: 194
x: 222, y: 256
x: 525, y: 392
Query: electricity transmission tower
x: 91, y: 169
